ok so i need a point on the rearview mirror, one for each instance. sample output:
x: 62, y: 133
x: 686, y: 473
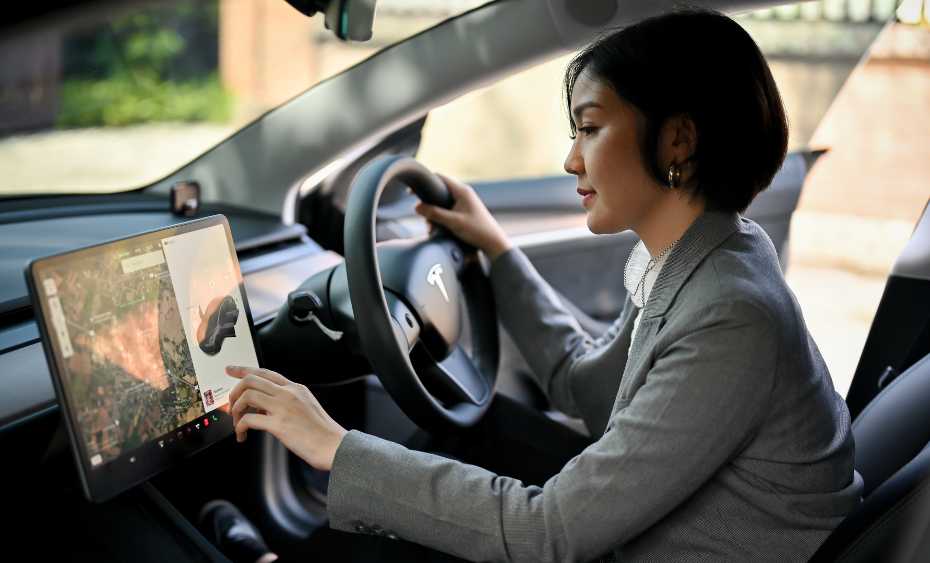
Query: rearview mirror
x: 350, y: 20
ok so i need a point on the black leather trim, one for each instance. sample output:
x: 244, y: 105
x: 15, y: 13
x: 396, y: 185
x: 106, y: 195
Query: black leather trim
x: 888, y: 522
x: 894, y: 427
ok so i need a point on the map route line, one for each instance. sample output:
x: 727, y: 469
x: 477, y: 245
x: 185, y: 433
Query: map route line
x: 101, y: 317
x: 176, y: 378
x: 71, y: 322
x: 131, y: 303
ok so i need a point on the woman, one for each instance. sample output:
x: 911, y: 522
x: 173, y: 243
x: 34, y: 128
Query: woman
x: 719, y: 433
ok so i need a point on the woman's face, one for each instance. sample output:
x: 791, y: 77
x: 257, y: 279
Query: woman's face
x: 616, y: 188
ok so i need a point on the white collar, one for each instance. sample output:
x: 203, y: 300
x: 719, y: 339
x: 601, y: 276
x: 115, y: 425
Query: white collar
x: 633, y: 274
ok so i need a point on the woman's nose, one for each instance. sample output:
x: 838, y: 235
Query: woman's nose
x: 573, y: 162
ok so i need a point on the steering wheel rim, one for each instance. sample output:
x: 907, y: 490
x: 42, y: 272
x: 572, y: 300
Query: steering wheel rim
x: 387, y: 337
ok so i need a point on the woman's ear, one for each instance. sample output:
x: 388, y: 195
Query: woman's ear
x: 683, y: 137
x: 677, y: 144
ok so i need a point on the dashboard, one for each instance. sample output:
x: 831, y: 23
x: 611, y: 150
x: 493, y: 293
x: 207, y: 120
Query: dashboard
x: 274, y: 259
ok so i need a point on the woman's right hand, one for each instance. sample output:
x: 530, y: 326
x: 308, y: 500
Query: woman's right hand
x: 468, y: 219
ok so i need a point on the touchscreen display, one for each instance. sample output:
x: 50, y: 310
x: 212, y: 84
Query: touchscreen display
x: 142, y: 330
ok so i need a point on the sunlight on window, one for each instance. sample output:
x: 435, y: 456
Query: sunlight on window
x: 914, y: 12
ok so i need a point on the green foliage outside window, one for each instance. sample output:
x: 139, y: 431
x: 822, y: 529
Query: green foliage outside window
x: 155, y: 65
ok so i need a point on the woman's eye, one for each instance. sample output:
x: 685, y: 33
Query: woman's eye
x: 583, y: 131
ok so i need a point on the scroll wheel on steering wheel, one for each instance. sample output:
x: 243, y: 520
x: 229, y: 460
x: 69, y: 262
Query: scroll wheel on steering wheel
x: 303, y: 302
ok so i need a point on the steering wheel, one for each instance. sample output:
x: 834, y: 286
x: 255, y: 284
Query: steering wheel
x: 420, y: 305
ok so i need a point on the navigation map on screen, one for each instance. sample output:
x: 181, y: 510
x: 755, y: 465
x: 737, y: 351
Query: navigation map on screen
x: 145, y: 330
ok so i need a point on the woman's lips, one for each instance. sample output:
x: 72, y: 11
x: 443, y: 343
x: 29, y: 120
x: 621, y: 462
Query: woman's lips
x: 587, y: 196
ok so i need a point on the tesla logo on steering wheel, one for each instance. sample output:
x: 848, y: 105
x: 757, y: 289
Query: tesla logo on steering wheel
x: 434, y: 277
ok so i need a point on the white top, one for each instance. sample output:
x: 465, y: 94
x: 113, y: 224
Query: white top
x: 639, y: 258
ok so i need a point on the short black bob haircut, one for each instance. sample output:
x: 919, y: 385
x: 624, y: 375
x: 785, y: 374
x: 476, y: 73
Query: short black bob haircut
x: 704, y: 65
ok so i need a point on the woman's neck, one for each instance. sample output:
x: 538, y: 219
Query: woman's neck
x: 668, y: 220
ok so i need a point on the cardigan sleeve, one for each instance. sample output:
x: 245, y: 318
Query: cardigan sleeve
x: 545, y: 332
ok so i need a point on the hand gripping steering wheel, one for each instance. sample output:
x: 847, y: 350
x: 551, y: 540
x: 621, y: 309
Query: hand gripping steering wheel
x: 420, y: 305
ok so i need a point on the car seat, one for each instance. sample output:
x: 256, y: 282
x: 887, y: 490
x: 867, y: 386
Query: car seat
x: 893, y: 457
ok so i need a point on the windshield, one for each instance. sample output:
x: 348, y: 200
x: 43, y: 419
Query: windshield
x: 111, y: 100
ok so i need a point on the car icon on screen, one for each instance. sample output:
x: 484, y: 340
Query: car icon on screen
x: 217, y: 323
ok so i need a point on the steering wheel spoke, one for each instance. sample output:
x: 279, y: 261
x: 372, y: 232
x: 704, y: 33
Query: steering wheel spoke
x: 456, y: 379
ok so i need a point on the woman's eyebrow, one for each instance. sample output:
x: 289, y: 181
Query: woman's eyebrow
x: 579, y: 109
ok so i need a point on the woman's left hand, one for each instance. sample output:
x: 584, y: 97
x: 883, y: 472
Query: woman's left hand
x: 268, y: 401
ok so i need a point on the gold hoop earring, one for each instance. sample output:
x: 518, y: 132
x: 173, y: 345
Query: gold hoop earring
x: 674, y: 176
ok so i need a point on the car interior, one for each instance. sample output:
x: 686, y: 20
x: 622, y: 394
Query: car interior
x: 319, y: 196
